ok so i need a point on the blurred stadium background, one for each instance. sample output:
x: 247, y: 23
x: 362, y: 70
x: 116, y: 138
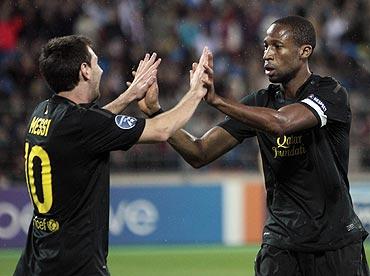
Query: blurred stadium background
x: 167, y: 218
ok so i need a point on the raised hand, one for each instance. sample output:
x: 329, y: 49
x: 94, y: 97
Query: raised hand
x: 145, y: 76
x: 208, y: 81
x: 150, y: 103
x: 197, y: 74
x: 211, y: 95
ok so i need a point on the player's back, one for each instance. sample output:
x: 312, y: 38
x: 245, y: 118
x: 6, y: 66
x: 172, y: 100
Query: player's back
x: 69, y: 189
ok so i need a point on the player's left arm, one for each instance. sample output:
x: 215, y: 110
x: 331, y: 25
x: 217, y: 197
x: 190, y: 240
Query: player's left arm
x: 145, y: 77
x: 327, y: 105
x: 288, y: 119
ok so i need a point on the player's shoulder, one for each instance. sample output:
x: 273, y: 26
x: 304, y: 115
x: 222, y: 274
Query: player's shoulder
x: 96, y: 111
x: 94, y: 117
x: 329, y: 84
x: 332, y: 90
x: 40, y: 106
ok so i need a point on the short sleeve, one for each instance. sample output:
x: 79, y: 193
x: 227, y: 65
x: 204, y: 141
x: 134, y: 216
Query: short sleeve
x: 329, y: 103
x: 104, y: 131
x: 237, y: 129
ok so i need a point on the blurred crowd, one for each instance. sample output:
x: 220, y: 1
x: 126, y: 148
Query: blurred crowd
x: 124, y: 30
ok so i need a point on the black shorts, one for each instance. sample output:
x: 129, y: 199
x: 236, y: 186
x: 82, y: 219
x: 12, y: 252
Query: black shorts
x: 346, y: 261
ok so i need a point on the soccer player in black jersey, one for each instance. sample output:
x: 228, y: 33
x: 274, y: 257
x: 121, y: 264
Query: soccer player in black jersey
x: 302, y: 124
x: 67, y: 149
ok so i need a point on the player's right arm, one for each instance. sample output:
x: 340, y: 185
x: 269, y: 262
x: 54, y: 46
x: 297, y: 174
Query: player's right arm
x: 201, y: 151
x: 163, y: 126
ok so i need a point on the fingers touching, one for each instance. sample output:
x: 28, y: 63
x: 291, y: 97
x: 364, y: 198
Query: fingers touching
x: 145, y: 75
x: 201, y: 73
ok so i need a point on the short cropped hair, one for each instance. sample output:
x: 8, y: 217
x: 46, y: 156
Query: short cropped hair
x: 60, y: 61
x: 302, y: 29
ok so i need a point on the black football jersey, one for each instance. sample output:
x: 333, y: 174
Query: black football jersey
x: 309, y: 207
x: 67, y: 172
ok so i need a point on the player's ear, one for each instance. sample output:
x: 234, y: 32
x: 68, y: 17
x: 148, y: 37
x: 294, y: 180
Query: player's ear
x: 305, y: 51
x: 85, y: 71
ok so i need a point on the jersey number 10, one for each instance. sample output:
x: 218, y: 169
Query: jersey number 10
x: 45, y: 173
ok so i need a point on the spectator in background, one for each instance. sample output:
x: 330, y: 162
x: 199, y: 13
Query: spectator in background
x: 10, y: 26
